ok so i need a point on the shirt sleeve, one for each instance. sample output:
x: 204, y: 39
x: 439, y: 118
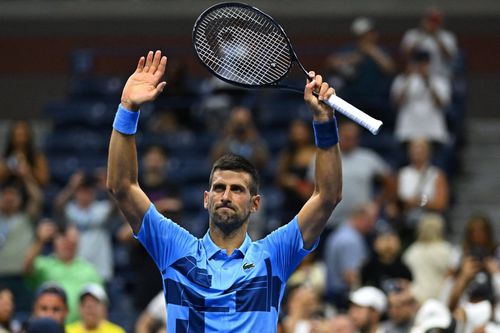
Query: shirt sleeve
x: 286, y: 248
x: 164, y: 240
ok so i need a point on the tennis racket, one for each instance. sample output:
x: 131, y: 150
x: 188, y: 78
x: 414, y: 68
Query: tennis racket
x: 243, y: 46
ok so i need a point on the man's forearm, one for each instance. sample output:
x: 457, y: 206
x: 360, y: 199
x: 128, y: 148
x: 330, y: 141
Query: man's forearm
x: 122, y: 162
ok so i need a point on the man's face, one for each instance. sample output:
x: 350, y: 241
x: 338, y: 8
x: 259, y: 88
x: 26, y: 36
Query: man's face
x: 10, y: 200
x: 229, y: 201
x: 92, y: 311
x: 361, y: 317
x: 349, y: 137
x: 66, y: 244
x: 401, y: 307
x: 50, y: 306
x: 6, y: 305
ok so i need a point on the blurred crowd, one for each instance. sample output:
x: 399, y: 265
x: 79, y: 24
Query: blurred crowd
x: 69, y: 262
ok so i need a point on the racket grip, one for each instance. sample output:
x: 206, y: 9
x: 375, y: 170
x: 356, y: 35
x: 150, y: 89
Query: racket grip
x: 352, y: 112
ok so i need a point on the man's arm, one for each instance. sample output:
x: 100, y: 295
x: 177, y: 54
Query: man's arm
x: 328, y: 174
x: 142, y: 86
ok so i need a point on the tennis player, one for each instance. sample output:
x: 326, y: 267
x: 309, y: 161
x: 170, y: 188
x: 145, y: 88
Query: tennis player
x: 223, y: 282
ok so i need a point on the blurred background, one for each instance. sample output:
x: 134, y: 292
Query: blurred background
x: 63, y: 65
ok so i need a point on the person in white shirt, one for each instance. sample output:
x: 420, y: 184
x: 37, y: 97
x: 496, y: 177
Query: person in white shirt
x: 430, y: 36
x: 421, y: 97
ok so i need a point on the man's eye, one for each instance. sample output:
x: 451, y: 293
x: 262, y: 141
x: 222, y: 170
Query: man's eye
x: 219, y: 188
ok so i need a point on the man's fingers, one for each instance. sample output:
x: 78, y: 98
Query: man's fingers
x: 149, y: 61
x: 160, y: 87
x: 156, y: 61
x: 322, y: 91
x: 161, y: 67
x: 140, y: 64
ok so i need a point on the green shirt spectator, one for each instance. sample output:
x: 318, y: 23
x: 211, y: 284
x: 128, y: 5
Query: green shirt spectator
x: 63, y: 266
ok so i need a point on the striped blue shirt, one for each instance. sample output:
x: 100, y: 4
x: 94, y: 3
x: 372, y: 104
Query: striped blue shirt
x: 208, y: 291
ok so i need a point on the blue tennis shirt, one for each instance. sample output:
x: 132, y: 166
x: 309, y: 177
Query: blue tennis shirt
x: 208, y: 291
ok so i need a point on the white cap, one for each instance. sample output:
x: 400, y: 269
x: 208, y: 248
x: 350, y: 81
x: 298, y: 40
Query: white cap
x: 477, y: 314
x: 369, y: 297
x: 432, y: 314
x: 361, y: 25
x: 96, y: 291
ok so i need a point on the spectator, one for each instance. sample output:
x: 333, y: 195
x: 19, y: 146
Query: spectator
x: 428, y: 257
x: 44, y: 325
x: 155, y: 183
x: 401, y: 311
x: 50, y: 302
x: 476, y: 313
x: 242, y: 138
x: 422, y: 187
x: 21, y: 158
x: 310, y: 273
x: 293, y: 162
x: 368, y: 304
x: 431, y: 37
x: 6, y: 310
x: 145, y: 280
x: 385, y: 267
x: 20, y: 205
x: 63, y: 266
x: 303, y: 308
x: 154, y: 316
x: 78, y: 204
x: 421, y: 97
x: 345, y: 252
x: 93, y: 312
x: 363, y: 71
x: 361, y: 169
x: 338, y: 324
x: 478, y: 265
x: 433, y: 316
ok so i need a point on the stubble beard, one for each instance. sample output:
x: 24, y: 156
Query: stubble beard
x: 228, y: 224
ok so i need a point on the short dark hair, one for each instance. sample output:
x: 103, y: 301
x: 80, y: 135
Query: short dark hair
x: 54, y: 289
x: 237, y: 163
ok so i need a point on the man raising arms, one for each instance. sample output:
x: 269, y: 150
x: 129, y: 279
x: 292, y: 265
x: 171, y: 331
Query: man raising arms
x: 223, y: 282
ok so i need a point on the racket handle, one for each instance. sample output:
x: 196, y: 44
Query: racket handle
x: 358, y: 116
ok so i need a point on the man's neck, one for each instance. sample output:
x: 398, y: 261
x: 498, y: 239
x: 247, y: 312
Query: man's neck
x: 228, y: 242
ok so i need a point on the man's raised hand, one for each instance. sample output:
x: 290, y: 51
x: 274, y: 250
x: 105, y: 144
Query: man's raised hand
x: 145, y: 84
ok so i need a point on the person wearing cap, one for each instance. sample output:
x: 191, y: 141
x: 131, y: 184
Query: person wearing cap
x: 368, y: 304
x: 93, y: 312
x: 44, y: 325
x: 430, y: 36
x: 433, y: 315
x: 51, y: 302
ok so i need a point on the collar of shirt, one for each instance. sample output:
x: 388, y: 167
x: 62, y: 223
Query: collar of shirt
x: 212, y: 249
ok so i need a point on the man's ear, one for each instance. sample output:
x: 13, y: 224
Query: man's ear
x: 205, y: 199
x: 255, y: 203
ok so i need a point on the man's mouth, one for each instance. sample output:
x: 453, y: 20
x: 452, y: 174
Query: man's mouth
x: 226, y: 207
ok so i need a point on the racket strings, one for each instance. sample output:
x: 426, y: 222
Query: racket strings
x: 243, y: 46
x: 246, y: 41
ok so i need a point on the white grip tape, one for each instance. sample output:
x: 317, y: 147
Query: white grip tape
x: 350, y: 111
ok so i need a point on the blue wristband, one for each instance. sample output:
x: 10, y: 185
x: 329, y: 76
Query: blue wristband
x: 326, y: 133
x: 126, y: 121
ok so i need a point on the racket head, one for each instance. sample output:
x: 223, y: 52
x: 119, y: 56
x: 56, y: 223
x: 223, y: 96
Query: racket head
x: 242, y: 45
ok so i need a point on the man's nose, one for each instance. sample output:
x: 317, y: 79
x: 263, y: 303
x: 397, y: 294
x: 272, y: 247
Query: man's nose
x: 226, y: 196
